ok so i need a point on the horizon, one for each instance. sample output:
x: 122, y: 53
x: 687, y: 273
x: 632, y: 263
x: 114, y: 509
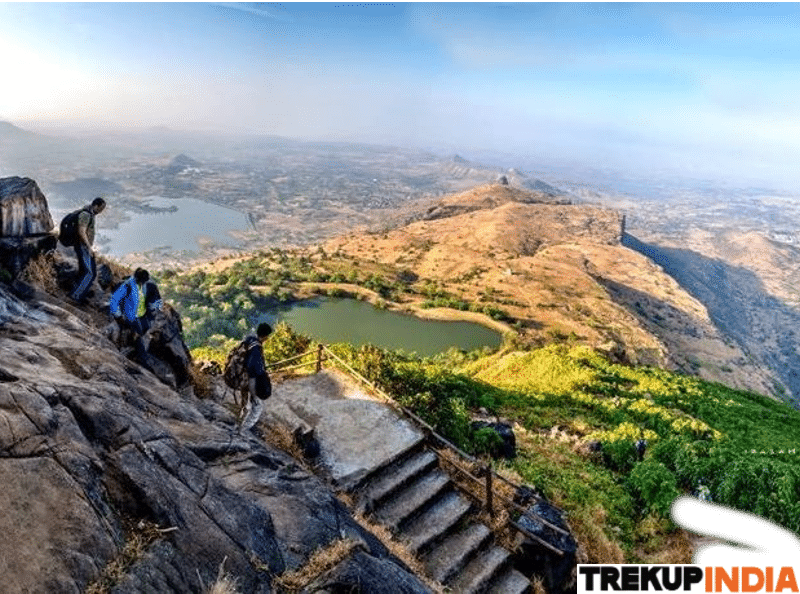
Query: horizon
x: 702, y: 89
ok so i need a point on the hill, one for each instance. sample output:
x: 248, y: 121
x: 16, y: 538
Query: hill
x: 562, y: 272
x: 579, y: 403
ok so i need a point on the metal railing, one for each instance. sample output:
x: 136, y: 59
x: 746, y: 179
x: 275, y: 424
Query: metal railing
x: 487, y: 478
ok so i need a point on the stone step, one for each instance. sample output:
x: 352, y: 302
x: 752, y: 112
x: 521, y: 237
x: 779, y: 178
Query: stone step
x: 477, y: 577
x: 397, y: 459
x: 393, y: 478
x: 412, y: 500
x: 436, y: 523
x: 511, y: 582
x: 455, y: 551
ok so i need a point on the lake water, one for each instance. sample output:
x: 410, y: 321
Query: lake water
x: 177, y: 229
x: 358, y: 322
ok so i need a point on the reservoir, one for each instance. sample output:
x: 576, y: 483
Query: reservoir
x: 176, y: 224
x: 329, y: 320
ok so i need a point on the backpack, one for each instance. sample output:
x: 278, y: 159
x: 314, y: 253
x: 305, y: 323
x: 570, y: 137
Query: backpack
x: 234, y: 373
x: 68, y: 230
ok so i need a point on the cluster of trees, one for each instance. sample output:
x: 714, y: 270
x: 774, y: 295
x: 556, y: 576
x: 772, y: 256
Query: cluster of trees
x: 228, y: 302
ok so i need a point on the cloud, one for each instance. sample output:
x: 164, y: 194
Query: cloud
x: 257, y: 9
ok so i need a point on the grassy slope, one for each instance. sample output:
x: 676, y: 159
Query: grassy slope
x: 702, y: 437
x: 736, y: 447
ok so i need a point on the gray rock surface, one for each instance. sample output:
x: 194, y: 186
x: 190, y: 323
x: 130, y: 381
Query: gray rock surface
x: 93, y: 445
x: 368, y: 575
x: 23, y: 208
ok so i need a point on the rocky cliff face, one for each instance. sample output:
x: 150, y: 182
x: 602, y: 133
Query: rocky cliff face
x: 95, y: 451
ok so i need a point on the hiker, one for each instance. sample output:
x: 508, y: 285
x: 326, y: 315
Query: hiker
x: 246, y: 371
x: 134, y: 305
x: 77, y: 230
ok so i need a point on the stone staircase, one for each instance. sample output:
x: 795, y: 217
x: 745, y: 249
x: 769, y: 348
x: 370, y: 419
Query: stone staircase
x: 385, y: 463
x: 416, y: 500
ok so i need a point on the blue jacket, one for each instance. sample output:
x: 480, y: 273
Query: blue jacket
x: 125, y: 299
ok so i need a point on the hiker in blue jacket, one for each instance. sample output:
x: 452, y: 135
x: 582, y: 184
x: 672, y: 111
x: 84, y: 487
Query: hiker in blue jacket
x: 134, y: 304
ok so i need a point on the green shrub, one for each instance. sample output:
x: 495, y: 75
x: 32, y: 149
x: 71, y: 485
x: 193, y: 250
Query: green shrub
x: 486, y: 441
x: 620, y: 455
x: 654, y: 484
x: 284, y: 343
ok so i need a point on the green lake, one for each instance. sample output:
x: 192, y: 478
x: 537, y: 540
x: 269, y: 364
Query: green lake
x: 357, y: 322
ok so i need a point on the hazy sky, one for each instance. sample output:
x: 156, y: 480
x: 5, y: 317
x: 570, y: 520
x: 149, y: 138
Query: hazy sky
x: 706, y: 87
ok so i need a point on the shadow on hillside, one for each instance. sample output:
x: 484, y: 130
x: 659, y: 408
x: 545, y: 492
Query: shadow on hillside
x: 657, y: 316
x: 738, y: 304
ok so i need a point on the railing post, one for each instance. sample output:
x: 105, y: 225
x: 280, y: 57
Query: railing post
x: 319, y: 358
x: 489, y: 493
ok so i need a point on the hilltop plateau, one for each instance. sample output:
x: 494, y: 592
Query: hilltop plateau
x: 563, y: 272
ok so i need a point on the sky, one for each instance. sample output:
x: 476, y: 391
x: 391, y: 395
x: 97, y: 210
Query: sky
x: 704, y: 88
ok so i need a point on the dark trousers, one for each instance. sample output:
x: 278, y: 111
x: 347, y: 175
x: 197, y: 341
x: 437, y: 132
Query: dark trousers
x: 138, y: 328
x: 87, y: 271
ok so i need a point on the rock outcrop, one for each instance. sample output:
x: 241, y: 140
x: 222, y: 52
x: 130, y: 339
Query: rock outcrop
x: 25, y: 223
x: 23, y: 208
x: 95, y: 450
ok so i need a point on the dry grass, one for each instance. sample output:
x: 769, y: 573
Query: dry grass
x: 225, y: 583
x: 588, y: 531
x: 140, y: 536
x: 318, y: 563
x: 202, y: 382
x: 279, y: 436
x: 538, y: 586
x: 662, y: 546
x: 399, y: 550
x: 40, y: 272
x: 118, y: 270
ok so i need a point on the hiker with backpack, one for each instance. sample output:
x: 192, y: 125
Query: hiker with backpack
x: 77, y: 231
x: 134, y: 305
x: 246, y: 372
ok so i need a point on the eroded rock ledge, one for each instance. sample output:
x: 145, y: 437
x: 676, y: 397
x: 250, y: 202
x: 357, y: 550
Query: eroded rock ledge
x: 92, y: 445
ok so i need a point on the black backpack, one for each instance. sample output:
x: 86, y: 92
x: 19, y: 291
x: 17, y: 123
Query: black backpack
x: 234, y: 373
x: 68, y: 230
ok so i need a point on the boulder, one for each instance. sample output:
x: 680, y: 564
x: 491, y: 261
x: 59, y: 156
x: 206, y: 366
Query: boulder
x: 25, y: 224
x: 23, y: 208
x: 16, y: 252
x: 506, y: 446
x: 166, y: 345
x: 532, y: 558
